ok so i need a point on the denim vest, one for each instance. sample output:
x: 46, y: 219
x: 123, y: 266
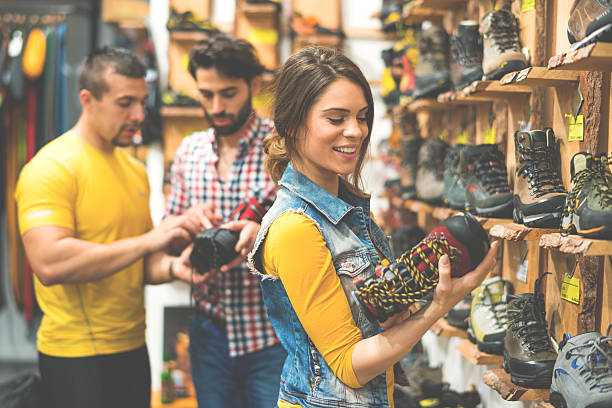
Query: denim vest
x: 352, y: 238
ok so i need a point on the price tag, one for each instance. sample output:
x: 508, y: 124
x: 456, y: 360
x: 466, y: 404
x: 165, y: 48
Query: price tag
x: 570, y: 289
x: 576, y: 128
x: 462, y: 138
x: 528, y: 5
x: 443, y: 135
x: 521, y: 273
x: 489, y: 137
x: 263, y: 36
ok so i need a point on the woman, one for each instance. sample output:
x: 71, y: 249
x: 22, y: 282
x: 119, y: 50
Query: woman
x: 319, y: 236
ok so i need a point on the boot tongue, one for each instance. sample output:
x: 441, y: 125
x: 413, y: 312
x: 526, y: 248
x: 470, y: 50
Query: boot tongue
x: 496, y: 291
x: 580, y: 162
x: 539, y: 139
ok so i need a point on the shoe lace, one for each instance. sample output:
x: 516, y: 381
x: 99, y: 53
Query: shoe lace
x: 529, y: 322
x: 410, y: 278
x: 537, y: 166
x: 597, y: 369
x: 600, y: 173
x: 490, y: 169
x: 504, y: 30
x: 499, y: 309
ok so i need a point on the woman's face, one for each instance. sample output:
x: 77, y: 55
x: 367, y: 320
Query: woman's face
x: 332, y: 138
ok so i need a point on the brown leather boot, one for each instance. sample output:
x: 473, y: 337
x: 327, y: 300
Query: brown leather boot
x: 501, y: 45
x: 539, y: 195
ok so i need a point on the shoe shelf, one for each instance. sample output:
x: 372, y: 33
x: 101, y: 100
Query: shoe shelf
x: 320, y: 39
x: 488, y: 223
x: 517, y: 232
x: 577, y: 245
x: 541, y: 76
x: 489, y: 91
x: 425, y: 104
x: 254, y: 9
x: 442, y: 329
x: 471, y: 353
x: 181, y: 112
x: 442, y: 213
x: 499, y: 380
x: 592, y: 57
x: 195, y: 36
x: 416, y: 14
x: 441, y: 4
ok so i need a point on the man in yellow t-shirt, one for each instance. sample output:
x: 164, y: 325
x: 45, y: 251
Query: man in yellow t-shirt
x: 84, y: 218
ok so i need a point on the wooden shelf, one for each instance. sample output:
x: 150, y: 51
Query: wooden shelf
x: 488, y: 223
x: 541, y: 76
x: 181, y: 112
x: 574, y: 244
x: 442, y: 213
x: 417, y: 14
x: 592, y: 57
x: 471, y: 353
x: 252, y: 9
x: 518, y: 232
x: 330, y: 40
x: 441, y: 328
x: 499, y: 380
x: 188, y: 35
x: 490, y: 90
x: 442, y: 4
x: 425, y: 104
x: 417, y: 206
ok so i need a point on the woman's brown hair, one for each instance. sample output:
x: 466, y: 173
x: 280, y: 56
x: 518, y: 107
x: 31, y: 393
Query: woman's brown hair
x: 297, y: 86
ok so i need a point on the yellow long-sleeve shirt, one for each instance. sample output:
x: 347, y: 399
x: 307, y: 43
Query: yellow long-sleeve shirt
x: 310, y: 280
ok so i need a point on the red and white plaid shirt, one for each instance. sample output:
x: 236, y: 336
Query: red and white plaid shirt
x: 233, y: 297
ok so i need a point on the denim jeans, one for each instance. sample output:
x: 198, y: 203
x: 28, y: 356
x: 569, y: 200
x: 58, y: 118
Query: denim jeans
x: 251, y: 380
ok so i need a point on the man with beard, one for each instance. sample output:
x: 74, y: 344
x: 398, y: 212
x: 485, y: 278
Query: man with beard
x: 236, y: 359
x: 86, y: 228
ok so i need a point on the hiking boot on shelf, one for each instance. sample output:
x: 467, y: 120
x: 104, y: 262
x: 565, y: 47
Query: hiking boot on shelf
x: 391, y: 78
x: 459, y: 315
x: 304, y: 26
x: 414, y: 276
x: 588, y: 207
x: 189, y: 21
x: 489, y: 317
x: 391, y: 15
x: 466, y: 55
x: 408, y: 54
x: 501, y: 45
x: 583, y: 372
x: 409, y: 155
x: 487, y: 191
x: 454, y: 185
x: 539, y: 194
x: 590, y: 21
x: 430, y: 174
x: 529, y: 355
x: 431, y: 75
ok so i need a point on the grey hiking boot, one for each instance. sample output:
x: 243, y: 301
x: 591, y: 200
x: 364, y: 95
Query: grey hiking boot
x: 529, y: 355
x: 501, y: 45
x: 454, y: 174
x: 588, y: 207
x: 582, y: 375
x: 409, y: 154
x: 466, y: 55
x: 489, y: 316
x: 432, y: 71
x: 589, y: 21
x: 430, y: 175
x: 487, y: 191
x: 539, y: 194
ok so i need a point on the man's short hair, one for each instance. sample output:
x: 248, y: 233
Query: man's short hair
x: 232, y: 57
x: 122, y: 61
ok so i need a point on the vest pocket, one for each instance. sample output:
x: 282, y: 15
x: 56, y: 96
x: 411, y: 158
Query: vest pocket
x: 352, y: 264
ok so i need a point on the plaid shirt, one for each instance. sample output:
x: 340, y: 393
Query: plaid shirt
x: 233, y: 297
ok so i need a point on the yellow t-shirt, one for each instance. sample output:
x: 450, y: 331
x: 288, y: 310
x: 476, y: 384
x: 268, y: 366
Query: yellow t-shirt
x: 102, y: 197
x: 314, y: 289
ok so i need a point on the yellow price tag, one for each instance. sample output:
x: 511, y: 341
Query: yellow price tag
x: 576, y: 128
x: 263, y: 36
x: 462, y: 138
x: 570, y: 289
x: 490, y: 137
x: 528, y: 5
x: 185, y: 62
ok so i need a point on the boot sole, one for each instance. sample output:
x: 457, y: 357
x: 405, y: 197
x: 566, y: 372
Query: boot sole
x: 507, y: 67
x: 603, y: 34
x: 545, y: 220
x: 541, y: 376
x: 490, y: 347
x: 558, y: 401
x: 597, y: 232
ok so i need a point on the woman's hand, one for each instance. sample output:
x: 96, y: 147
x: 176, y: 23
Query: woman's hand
x: 448, y: 293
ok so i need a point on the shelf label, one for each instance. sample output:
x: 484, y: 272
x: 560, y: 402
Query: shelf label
x: 463, y: 137
x: 490, y: 137
x: 263, y: 36
x: 570, y: 289
x: 528, y: 5
x: 521, y: 273
x: 576, y: 128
